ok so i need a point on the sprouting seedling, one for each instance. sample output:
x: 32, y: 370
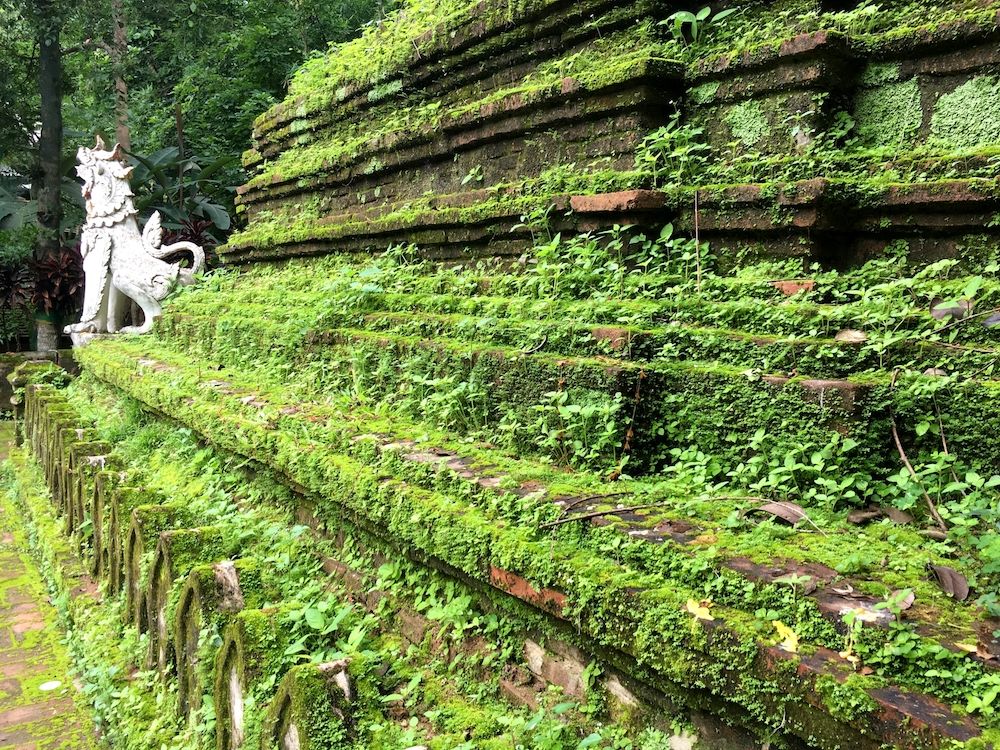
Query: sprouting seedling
x: 476, y: 173
x: 689, y: 28
x: 794, y: 581
x: 854, y: 624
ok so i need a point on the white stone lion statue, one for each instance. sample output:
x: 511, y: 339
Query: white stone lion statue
x: 120, y: 264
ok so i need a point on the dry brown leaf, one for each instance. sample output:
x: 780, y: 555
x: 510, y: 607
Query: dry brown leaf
x: 959, y: 309
x: 900, y: 517
x: 788, y: 512
x: 864, y: 515
x: 851, y: 336
x: 953, y: 583
x: 900, y: 601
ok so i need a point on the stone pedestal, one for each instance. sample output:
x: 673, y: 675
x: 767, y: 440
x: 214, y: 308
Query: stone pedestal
x: 47, y: 338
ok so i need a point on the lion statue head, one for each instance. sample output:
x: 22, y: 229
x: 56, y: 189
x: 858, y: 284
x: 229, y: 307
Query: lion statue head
x: 105, y: 179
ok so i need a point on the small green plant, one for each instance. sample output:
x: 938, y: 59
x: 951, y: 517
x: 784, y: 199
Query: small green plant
x: 674, y: 154
x: 476, y: 173
x: 581, y: 435
x: 538, y: 221
x: 690, y: 28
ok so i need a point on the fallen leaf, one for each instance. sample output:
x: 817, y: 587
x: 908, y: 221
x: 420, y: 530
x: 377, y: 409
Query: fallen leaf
x: 790, y: 639
x: 851, y: 336
x: 850, y: 656
x: 953, y: 583
x: 788, y: 512
x: 900, y: 517
x: 959, y: 309
x: 46, y: 687
x: 992, y: 320
x: 902, y: 598
x: 967, y: 647
x: 700, y: 609
x: 863, y: 614
x: 864, y: 515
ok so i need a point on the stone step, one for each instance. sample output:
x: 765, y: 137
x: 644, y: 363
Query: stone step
x: 249, y: 592
x: 835, y: 604
x: 552, y: 593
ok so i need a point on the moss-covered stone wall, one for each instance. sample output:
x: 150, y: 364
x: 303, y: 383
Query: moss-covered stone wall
x: 696, y: 428
x: 471, y: 127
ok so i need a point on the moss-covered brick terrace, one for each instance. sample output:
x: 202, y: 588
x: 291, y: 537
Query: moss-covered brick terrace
x: 579, y: 379
x: 877, y: 103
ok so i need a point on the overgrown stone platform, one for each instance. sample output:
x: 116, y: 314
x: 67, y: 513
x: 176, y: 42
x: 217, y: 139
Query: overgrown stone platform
x: 689, y: 442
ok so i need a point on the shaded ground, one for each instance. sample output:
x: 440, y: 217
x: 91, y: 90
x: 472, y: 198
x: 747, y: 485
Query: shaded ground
x: 36, y: 692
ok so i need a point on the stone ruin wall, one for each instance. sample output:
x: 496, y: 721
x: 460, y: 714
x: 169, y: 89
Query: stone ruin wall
x: 549, y: 111
x: 491, y: 119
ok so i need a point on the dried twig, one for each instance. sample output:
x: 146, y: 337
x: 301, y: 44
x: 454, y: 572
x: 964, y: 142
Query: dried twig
x: 961, y: 348
x: 966, y: 319
x: 581, y: 500
x: 755, y: 499
x: 944, y: 441
x: 630, y: 432
x: 599, y: 513
x: 697, y: 239
x: 537, y: 347
x: 906, y: 462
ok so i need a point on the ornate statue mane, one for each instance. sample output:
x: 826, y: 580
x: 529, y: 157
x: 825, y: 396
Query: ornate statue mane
x: 105, y: 184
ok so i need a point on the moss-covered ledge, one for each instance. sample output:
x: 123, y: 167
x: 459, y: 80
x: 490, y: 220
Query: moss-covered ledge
x: 621, y: 611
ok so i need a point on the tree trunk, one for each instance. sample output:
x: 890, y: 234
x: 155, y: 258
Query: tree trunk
x: 119, y: 48
x: 51, y: 138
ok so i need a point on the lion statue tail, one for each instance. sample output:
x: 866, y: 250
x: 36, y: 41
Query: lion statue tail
x: 152, y: 239
x: 197, y: 252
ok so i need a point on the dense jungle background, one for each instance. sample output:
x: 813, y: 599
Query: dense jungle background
x: 177, y: 83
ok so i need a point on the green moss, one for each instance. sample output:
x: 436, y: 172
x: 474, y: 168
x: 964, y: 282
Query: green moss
x: 890, y: 115
x: 704, y: 93
x: 968, y: 117
x: 748, y: 123
x: 847, y: 699
x: 879, y: 74
x: 310, y: 706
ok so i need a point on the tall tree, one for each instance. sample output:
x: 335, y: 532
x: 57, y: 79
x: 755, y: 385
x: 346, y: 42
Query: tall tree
x: 18, y: 88
x: 117, y: 51
x: 48, y: 18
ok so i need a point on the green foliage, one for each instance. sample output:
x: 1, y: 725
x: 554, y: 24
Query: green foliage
x: 181, y: 188
x: 969, y: 116
x: 690, y: 28
x: 577, y: 434
x: 849, y: 699
x: 748, y: 123
x: 889, y: 115
x: 673, y: 154
x: 445, y: 688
